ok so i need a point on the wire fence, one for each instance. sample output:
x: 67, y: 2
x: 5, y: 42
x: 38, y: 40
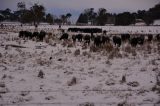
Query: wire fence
x: 87, y: 90
x: 6, y: 103
x: 81, y: 104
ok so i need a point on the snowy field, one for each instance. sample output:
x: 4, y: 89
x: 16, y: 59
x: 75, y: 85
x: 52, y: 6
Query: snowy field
x: 75, y: 76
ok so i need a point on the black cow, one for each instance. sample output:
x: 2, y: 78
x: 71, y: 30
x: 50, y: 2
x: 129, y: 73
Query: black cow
x: 85, y: 30
x: 79, y: 37
x: 74, y: 38
x: 134, y: 41
x: 35, y: 34
x: 158, y: 37
x: 92, y: 36
x: 117, y: 41
x: 105, y: 39
x: 140, y: 40
x: 125, y: 37
x: 29, y: 35
x: 42, y: 35
x: 25, y: 34
x: 104, y: 32
x: 2, y: 26
x: 21, y: 34
x: 64, y: 36
x: 97, y: 41
x: 87, y: 39
x: 150, y: 37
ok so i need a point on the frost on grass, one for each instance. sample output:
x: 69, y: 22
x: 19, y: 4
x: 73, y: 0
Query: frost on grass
x: 67, y: 72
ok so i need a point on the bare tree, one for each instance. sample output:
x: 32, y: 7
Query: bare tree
x: 63, y: 18
x: 21, y: 6
x: 38, y: 13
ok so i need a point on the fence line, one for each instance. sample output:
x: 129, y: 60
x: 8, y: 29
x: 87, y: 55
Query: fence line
x: 88, y: 90
x: 73, y: 103
x: 6, y: 103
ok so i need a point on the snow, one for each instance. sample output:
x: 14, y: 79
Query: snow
x: 98, y: 76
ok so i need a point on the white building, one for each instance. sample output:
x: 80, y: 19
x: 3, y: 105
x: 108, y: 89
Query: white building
x: 140, y: 22
x: 156, y: 22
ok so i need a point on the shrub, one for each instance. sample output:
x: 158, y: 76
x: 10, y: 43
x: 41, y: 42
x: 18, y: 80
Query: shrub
x: 73, y: 81
x: 77, y: 52
x: 41, y: 74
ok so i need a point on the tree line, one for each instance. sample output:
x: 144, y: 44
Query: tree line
x: 102, y: 17
x: 34, y: 15
x: 37, y: 13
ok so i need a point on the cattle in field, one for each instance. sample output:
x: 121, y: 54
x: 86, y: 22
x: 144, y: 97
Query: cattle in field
x: 140, y: 40
x: 64, y: 36
x: 137, y: 40
x: 117, y: 41
x: 150, y: 37
x: 85, y: 30
x: 105, y: 39
x: 42, y: 35
x: 74, y: 38
x: 2, y: 26
x: 158, y: 37
x: 97, y: 41
x: 134, y: 41
x: 25, y: 34
x: 125, y: 37
x: 28, y: 35
x: 79, y: 37
x: 87, y: 39
x: 92, y: 36
x: 104, y: 32
x: 21, y: 34
x: 35, y: 34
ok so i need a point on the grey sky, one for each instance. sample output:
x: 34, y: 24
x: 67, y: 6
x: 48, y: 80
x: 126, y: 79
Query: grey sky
x: 58, y: 7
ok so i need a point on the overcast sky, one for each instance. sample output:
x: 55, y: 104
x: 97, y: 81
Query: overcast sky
x: 75, y: 7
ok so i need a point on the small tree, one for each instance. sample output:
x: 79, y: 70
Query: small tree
x: 41, y: 74
x: 68, y: 16
x: 21, y: 8
x: 49, y: 19
x: 63, y: 18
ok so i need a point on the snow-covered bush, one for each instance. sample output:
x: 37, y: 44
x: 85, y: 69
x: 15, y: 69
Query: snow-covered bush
x: 77, y: 52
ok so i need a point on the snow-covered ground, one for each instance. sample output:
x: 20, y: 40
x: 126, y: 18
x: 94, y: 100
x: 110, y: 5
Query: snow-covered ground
x: 77, y: 79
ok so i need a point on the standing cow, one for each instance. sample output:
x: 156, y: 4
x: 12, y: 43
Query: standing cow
x: 117, y: 41
x: 64, y: 36
x: 87, y: 39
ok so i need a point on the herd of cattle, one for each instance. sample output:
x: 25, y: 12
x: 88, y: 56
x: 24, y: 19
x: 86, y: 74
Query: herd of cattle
x: 27, y: 34
x: 97, y: 39
x: 85, y: 30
